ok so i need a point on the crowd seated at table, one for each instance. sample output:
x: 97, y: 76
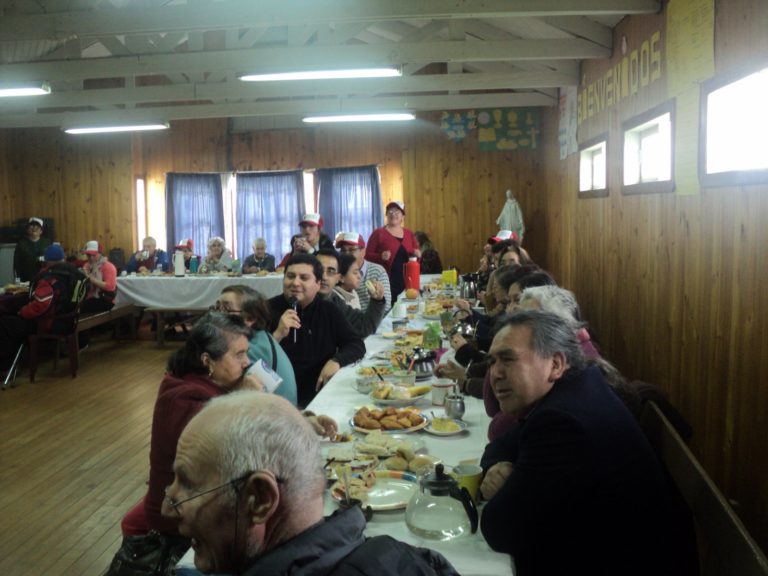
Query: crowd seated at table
x: 570, y: 484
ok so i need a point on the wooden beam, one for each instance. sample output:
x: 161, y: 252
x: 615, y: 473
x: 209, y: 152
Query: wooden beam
x: 246, y: 13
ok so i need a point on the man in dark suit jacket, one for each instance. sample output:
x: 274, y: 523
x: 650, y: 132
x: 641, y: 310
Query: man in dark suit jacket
x: 312, y: 330
x: 575, y: 488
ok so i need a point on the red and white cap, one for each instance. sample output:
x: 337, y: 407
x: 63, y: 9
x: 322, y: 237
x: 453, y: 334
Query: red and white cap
x: 349, y: 239
x: 312, y: 219
x: 185, y: 243
x: 502, y: 235
x: 92, y: 248
x: 394, y: 204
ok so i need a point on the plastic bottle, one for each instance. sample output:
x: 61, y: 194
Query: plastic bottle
x: 412, y: 274
x: 193, y: 263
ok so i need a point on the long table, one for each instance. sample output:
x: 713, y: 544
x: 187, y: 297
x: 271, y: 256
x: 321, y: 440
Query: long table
x: 187, y: 292
x: 339, y: 399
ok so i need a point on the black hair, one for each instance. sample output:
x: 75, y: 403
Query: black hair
x: 505, y: 277
x: 311, y: 259
x: 331, y: 253
x: 211, y: 334
x: 345, y: 263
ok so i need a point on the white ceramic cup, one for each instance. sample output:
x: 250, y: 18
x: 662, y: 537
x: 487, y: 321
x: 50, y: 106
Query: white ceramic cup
x: 440, y: 389
x: 399, y: 310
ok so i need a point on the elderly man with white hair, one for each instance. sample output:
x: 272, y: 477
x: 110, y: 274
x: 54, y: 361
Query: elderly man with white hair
x: 248, y: 490
x: 259, y: 260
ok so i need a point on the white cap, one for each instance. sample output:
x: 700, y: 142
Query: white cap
x: 35, y: 220
x: 312, y: 218
x: 92, y: 247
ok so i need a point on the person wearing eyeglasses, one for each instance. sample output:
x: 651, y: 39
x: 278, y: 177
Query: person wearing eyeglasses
x: 248, y: 492
x: 212, y: 362
x: 247, y: 303
x: 392, y: 245
x: 312, y: 237
x: 363, y: 323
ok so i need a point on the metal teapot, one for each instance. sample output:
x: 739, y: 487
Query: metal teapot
x: 423, y: 362
x: 440, y: 509
x: 468, y: 287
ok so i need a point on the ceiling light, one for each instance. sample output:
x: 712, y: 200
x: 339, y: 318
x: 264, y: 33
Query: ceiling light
x: 24, y: 90
x: 323, y: 75
x: 398, y: 117
x: 122, y: 128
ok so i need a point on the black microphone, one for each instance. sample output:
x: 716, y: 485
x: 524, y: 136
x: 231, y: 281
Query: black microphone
x: 294, y: 304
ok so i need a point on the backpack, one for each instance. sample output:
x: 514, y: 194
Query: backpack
x: 69, y: 287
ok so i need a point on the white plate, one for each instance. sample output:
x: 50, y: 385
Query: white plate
x: 462, y: 427
x: 390, y: 335
x: 392, y: 490
x: 398, y: 402
x: 404, y: 431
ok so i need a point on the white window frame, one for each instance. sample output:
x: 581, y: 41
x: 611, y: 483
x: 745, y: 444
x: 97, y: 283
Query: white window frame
x: 648, y: 158
x: 593, y: 168
x: 733, y: 129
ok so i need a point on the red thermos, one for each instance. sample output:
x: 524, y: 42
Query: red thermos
x: 412, y: 273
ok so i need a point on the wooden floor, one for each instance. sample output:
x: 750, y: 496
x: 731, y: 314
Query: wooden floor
x: 74, y: 457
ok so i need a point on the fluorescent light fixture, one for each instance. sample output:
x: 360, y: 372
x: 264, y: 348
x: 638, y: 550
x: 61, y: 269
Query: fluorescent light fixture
x: 21, y: 90
x: 121, y: 128
x: 397, y: 117
x: 323, y: 75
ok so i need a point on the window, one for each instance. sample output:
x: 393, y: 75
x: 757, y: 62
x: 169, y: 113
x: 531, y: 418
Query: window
x: 593, y: 168
x: 732, y: 148
x: 194, y: 208
x: 648, y: 158
x: 350, y: 199
x: 141, y: 210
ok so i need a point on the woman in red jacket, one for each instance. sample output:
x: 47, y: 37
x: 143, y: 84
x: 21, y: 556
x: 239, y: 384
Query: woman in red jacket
x: 391, y: 245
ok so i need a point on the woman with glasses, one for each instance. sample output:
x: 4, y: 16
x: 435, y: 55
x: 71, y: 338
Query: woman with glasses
x: 249, y: 304
x: 212, y: 362
x: 392, y: 245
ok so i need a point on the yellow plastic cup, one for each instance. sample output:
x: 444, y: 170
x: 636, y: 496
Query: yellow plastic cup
x: 469, y: 476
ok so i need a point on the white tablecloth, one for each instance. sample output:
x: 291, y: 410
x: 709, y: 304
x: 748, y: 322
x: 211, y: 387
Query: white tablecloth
x: 188, y: 291
x: 339, y: 399
x: 470, y: 555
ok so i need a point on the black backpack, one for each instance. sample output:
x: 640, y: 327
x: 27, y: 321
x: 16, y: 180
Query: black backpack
x: 69, y: 286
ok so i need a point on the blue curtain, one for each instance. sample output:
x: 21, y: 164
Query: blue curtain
x: 350, y: 199
x: 269, y: 206
x: 194, y: 208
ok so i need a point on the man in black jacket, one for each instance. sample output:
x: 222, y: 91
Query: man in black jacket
x: 575, y: 488
x: 364, y: 323
x: 314, y: 333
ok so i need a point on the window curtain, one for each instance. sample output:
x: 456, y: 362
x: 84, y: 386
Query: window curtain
x: 350, y: 199
x: 194, y: 209
x: 269, y: 206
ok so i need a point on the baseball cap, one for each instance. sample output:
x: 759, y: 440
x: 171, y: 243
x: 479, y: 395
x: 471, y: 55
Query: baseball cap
x: 35, y: 220
x: 502, y: 235
x: 185, y: 243
x: 312, y: 219
x: 54, y: 253
x: 399, y: 205
x: 349, y: 239
x: 92, y: 247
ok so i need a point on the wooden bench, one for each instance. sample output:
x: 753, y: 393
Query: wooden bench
x: 84, y: 322
x: 725, y: 545
x: 160, y: 318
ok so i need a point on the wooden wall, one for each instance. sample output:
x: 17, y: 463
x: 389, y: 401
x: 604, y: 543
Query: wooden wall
x: 674, y: 286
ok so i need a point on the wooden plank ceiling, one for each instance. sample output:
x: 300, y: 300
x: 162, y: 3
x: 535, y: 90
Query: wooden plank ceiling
x: 160, y: 60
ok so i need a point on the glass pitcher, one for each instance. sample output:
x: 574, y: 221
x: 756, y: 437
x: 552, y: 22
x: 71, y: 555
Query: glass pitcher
x: 440, y: 509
